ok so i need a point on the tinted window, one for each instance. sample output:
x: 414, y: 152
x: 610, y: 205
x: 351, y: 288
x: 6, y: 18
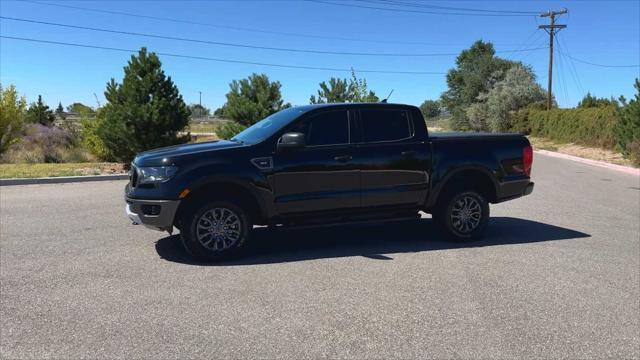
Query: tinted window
x: 385, y: 125
x: 326, y: 128
x: 268, y: 126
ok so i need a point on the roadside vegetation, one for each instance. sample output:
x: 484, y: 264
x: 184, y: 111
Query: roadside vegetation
x: 8, y: 171
x: 146, y: 110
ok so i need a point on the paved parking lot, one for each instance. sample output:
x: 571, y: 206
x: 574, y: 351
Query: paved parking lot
x: 558, y: 275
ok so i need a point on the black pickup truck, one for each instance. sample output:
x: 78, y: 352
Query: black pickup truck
x: 325, y: 164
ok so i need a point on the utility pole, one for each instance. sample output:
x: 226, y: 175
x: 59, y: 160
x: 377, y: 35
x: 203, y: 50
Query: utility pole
x: 551, y: 30
x: 200, y: 109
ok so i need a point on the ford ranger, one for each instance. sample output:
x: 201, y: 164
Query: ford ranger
x: 324, y: 164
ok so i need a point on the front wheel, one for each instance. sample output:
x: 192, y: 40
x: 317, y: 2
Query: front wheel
x: 215, y: 231
x: 463, y: 215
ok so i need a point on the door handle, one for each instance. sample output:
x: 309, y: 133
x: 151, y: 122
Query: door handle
x: 343, y: 158
x: 408, y: 153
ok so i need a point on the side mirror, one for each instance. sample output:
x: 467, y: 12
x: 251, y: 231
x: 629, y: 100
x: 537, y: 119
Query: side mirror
x: 292, y: 140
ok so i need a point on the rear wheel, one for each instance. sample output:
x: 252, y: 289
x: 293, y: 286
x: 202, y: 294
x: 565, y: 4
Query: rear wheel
x: 463, y: 215
x: 216, y: 230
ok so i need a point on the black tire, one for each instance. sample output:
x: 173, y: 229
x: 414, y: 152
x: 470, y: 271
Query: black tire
x: 458, y: 224
x: 216, y: 238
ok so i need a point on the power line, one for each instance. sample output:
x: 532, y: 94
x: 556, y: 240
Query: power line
x: 526, y: 42
x: 601, y: 65
x: 560, y: 67
x: 411, y: 11
x: 325, y: 52
x: 229, y: 27
x: 223, y: 60
x: 403, y: 3
x: 572, y: 67
x: 539, y: 41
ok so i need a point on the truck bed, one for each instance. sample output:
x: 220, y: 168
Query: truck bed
x: 471, y: 135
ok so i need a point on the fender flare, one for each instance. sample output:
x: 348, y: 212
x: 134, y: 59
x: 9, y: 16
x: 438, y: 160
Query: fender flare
x: 438, y: 189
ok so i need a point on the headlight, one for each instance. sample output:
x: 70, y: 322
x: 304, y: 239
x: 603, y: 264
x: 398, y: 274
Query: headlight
x: 155, y: 174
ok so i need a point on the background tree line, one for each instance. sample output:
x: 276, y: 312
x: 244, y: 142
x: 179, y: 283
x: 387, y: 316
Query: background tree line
x: 146, y: 110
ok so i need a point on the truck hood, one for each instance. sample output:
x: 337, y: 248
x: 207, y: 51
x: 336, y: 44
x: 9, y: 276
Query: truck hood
x: 169, y: 155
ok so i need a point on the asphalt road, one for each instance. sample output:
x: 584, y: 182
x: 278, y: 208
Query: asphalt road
x: 558, y: 275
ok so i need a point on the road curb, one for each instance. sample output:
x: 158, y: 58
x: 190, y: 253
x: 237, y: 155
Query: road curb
x: 625, y: 169
x: 61, y: 179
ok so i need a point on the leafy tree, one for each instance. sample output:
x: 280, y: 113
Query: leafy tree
x: 80, y: 108
x: 39, y: 112
x: 339, y: 90
x: 145, y: 111
x: 253, y: 99
x: 430, y: 108
x: 590, y: 101
x: 336, y: 92
x: 198, y: 110
x: 627, y: 130
x: 477, y: 69
x: 477, y: 115
x: 220, y: 111
x: 12, y: 113
x: 359, y: 91
x: 517, y: 90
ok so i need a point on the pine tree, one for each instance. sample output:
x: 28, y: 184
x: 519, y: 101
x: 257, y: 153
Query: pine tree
x: 145, y: 111
x: 337, y: 91
x: 39, y: 112
x: 253, y: 99
x: 60, y: 111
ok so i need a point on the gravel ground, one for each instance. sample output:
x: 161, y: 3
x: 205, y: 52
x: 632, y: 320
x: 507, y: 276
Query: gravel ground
x: 558, y: 275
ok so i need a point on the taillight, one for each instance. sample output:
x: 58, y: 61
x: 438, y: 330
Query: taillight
x: 527, y: 159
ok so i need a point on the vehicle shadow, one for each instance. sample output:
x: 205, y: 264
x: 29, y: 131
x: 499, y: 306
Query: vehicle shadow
x: 374, y: 241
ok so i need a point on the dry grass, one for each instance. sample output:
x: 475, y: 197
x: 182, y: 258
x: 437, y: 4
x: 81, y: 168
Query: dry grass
x: 592, y: 153
x: 54, y: 170
x: 202, y: 138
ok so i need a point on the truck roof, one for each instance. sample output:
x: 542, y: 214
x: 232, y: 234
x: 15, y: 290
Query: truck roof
x: 310, y: 107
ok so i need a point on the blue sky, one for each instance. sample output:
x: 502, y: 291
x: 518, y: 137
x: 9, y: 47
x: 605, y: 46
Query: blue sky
x: 602, y: 32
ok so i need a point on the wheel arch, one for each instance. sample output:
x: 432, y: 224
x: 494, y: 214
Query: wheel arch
x: 477, y: 178
x: 237, y: 192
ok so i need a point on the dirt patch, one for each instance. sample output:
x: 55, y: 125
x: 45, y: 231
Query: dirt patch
x: 102, y: 169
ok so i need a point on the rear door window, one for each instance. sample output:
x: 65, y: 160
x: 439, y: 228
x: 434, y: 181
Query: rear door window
x: 385, y: 125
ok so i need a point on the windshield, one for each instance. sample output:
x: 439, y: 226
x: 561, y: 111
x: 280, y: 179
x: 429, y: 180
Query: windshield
x: 268, y: 126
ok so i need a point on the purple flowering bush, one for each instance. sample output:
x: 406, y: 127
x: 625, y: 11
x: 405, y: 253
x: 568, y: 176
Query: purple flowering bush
x: 43, y: 144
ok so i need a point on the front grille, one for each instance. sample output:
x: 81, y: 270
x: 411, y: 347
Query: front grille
x: 133, y: 176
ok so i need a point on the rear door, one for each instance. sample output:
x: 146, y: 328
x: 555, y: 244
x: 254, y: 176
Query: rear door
x: 321, y: 176
x: 392, y: 160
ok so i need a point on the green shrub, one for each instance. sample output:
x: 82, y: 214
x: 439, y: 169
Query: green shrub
x: 90, y: 139
x: 586, y: 126
x: 229, y: 129
x: 520, y: 122
x: 633, y: 151
x: 627, y: 131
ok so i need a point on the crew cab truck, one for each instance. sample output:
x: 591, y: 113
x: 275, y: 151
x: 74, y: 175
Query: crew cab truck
x: 322, y: 164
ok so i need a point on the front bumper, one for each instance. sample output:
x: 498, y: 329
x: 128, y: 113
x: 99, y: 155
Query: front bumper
x: 154, y: 214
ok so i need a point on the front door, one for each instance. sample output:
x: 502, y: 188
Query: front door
x: 320, y: 176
